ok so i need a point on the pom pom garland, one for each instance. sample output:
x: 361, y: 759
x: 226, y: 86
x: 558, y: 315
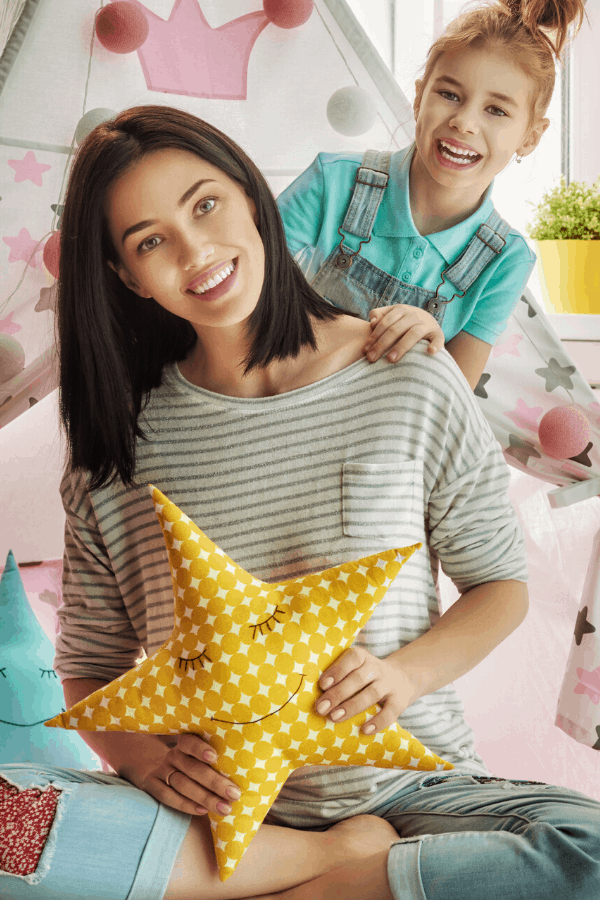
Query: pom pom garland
x: 89, y: 121
x: 288, y: 13
x: 564, y: 432
x: 12, y: 358
x: 351, y: 111
x: 51, y: 255
x: 121, y: 27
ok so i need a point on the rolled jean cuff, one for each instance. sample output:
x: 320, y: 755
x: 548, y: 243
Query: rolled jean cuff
x: 157, y: 860
x: 403, y: 869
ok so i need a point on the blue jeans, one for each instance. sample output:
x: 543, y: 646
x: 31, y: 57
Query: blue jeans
x: 467, y: 837
x: 107, y: 841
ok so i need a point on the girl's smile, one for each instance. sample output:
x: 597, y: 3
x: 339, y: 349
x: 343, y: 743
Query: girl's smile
x: 473, y: 115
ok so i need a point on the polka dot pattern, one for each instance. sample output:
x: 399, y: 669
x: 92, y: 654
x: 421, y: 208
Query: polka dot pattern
x: 241, y: 669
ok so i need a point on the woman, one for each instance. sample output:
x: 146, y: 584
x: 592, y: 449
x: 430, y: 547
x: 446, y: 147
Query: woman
x: 194, y: 355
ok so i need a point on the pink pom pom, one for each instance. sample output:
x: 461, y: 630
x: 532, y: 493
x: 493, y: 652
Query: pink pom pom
x: 121, y: 27
x: 288, y: 13
x: 564, y: 432
x: 51, y: 255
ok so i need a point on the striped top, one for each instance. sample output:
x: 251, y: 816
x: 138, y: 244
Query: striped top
x: 373, y: 457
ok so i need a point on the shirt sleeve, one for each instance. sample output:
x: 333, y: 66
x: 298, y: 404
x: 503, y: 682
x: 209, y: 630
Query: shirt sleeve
x: 96, y: 638
x: 501, y: 291
x: 473, y: 527
x: 301, y: 208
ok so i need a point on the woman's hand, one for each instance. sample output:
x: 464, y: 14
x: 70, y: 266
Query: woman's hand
x: 194, y: 787
x: 398, y: 328
x: 356, y: 681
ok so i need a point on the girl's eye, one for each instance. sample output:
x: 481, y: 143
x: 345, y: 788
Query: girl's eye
x: 448, y: 95
x: 206, y: 205
x: 48, y: 672
x: 193, y: 660
x: 496, y: 111
x: 266, y: 624
x: 148, y: 245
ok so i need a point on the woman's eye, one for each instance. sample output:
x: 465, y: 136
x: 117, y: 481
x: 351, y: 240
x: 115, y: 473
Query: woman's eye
x: 448, y: 95
x: 266, y: 624
x: 206, y: 205
x: 48, y: 672
x: 148, y: 245
x: 191, y: 661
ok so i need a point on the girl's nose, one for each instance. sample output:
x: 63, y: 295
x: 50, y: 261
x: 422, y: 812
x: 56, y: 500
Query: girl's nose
x: 465, y: 121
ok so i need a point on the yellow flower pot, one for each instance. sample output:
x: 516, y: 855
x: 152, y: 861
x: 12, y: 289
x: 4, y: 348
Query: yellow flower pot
x: 570, y: 275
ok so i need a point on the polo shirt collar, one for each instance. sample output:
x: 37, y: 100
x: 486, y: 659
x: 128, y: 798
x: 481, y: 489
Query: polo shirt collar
x: 394, y: 218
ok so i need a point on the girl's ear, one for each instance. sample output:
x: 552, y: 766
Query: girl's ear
x: 129, y: 282
x: 533, y: 137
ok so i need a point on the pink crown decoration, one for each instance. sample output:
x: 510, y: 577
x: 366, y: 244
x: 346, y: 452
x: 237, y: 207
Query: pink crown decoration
x: 184, y: 55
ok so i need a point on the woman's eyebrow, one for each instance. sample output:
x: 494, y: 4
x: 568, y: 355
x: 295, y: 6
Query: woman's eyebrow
x: 502, y: 97
x: 181, y: 202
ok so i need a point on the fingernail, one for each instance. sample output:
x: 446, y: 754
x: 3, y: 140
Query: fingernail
x: 327, y: 682
x: 224, y: 808
x: 371, y: 355
x: 233, y: 793
x: 200, y: 810
x: 323, y: 707
x: 392, y: 357
x: 209, y: 757
x: 337, y: 714
x: 366, y: 348
x: 369, y: 729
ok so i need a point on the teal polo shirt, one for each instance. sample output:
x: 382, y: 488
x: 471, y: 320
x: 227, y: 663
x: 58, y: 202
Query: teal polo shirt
x: 313, y: 208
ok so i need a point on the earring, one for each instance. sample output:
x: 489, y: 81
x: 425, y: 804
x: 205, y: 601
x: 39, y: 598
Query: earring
x: 519, y: 158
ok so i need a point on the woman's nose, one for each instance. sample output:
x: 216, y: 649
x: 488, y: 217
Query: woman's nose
x: 194, y: 252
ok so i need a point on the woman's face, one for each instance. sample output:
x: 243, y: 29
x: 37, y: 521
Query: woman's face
x: 186, y: 235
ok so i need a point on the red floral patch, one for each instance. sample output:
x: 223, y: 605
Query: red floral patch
x: 26, y: 817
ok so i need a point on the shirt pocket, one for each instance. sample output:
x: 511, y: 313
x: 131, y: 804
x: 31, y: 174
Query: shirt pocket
x: 382, y: 500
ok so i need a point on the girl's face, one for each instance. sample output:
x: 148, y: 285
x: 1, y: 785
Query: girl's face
x: 186, y: 235
x: 473, y: 116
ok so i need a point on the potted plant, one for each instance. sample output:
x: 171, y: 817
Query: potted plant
x: 566, y: 228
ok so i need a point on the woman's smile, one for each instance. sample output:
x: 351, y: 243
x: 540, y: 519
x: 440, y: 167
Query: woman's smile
x: 216, y: 282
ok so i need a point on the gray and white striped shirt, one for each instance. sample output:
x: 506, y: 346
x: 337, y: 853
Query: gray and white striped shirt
x: 373, y: 457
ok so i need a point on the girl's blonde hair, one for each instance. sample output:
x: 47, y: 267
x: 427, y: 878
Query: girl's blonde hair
x: 534, y: 32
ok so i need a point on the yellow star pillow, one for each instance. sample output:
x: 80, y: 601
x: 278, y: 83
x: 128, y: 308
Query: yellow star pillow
x: 241, y: 669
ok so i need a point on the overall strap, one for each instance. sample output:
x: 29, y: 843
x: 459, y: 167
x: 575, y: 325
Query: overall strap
x: 371, y: 181
x: 488, y: 241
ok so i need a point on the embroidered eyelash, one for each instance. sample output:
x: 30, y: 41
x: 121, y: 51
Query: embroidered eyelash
x: 194, y: 660
x: 3, y: 672
x: 266, y: 623
x: 47, y: 672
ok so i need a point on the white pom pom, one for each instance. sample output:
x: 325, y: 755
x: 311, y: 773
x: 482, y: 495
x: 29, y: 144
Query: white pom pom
x: 89, y: 121
x: 352, y: 111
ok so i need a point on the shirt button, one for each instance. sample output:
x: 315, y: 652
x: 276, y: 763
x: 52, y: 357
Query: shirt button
x: 406, y: 276
x: 418, y: 253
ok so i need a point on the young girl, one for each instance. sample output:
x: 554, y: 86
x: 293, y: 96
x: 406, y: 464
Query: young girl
x: 193, y: 354
x: 411, y: 240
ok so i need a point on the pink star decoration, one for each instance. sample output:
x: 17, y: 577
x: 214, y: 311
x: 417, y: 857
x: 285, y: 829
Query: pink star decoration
x: 508, y: 346
x: 22, y: 247
x: 589, y: 684
x: 28, y: 168
x: 525, y: 416
x: 9, y: 327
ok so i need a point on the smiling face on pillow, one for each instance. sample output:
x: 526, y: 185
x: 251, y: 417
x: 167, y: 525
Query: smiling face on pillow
x: 241, y: 669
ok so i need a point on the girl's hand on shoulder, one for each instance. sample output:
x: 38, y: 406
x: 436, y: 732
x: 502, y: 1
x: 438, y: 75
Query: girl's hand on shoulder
x: 194, y: 787
x: 356, y: 681
x: 395, y: 329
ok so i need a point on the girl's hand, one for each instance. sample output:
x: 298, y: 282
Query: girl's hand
x: 398, y: 328
x: 193, y: 787
x: 356, y: 681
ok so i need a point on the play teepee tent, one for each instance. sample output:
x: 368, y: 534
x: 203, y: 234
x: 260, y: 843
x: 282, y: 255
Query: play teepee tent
x: 267, y: 80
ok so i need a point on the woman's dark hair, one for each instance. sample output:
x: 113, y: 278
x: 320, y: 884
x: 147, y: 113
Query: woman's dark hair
x: 112, y: 344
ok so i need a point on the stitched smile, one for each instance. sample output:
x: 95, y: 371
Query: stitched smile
x: 253, y: 721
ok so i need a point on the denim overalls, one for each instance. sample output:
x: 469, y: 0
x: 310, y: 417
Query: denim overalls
x: 348, y: 280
